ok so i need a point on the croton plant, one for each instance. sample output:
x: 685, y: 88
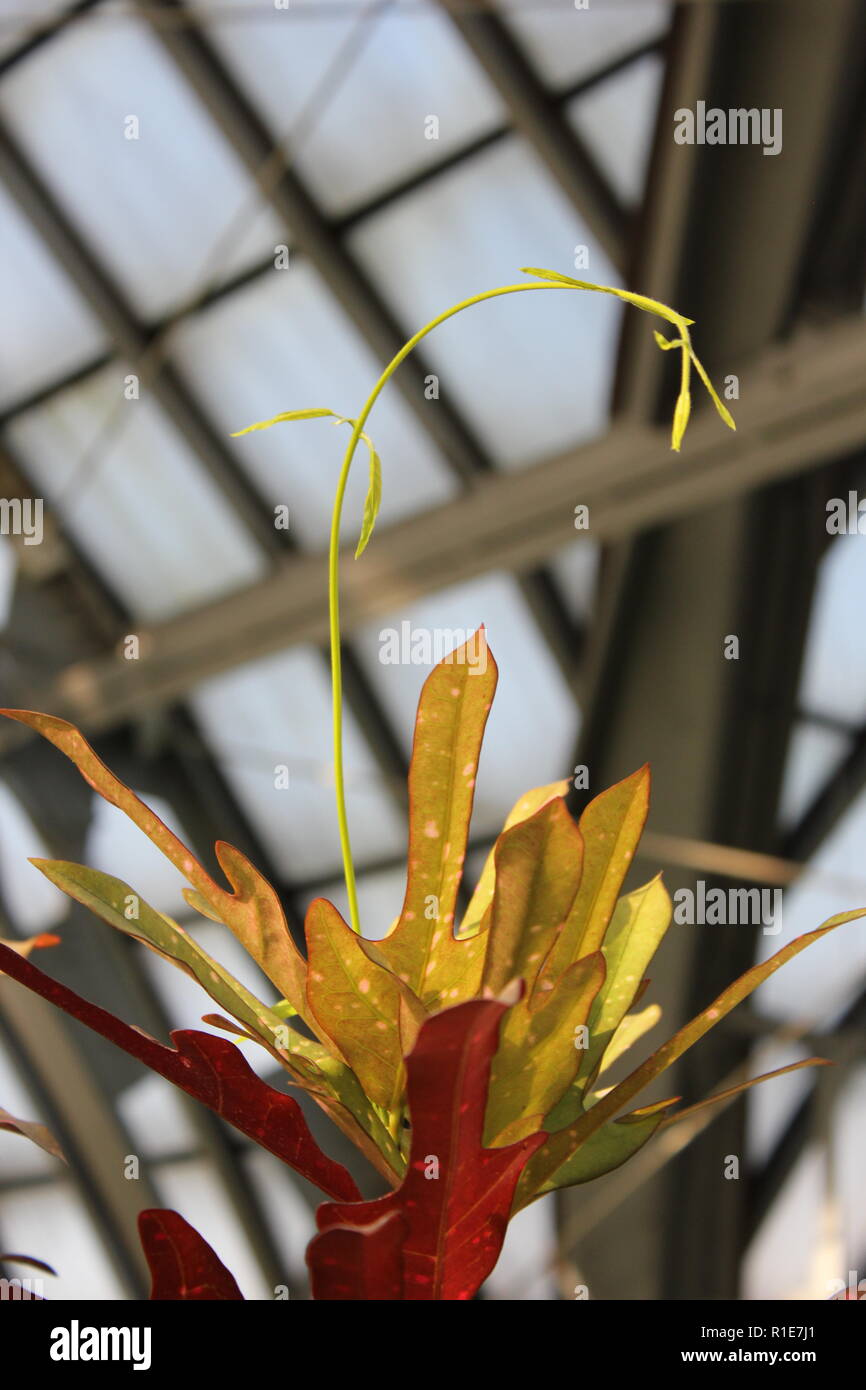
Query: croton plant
x: 466, y: 1053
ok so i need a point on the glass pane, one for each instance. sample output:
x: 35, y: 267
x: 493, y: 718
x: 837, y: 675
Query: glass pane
x: 566, y: 44
x: 51, y: 1223
x: 781, y: 1261
x: 268, y: 724
x: 380, y: 898
x: 534, y: 723
x: 118, y: 847
x: 617, y: 120
x: 32, y: 902
x: 367, y: 127
x: 821, y: 981
x: 19, y: 1158
x: 833, y: 680
x: 100, y: 107
x: 577, y: 570
x: 283, y: 344
x: 815, y: 754
x: 46, y: 329
x: 134, y: 498
x: 531, y: 372
x: 158, y: 1122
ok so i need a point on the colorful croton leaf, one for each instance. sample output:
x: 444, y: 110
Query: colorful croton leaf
x: 439, y: 1235
x: 475, y: 1049
x: 182, y: 1264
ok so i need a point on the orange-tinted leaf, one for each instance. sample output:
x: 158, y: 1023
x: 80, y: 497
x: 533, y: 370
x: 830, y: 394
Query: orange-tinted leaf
x: 452, y: 713
x: 456, y: 1195
x: 182, y: 1264
x: 538, y: 870
x: 370, y: 1015
x: 252, y: 910
x: 32, y: 1130
x: 482, y: 898
x: 31, y: 943
x: 211, y: 1070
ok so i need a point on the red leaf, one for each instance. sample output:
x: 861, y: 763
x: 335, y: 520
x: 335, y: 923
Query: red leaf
x: 360, y: 1263
x: 210, y: 1069
x: 454, y: 1222
x: 181, y: 1262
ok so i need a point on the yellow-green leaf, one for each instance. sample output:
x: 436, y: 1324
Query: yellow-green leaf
x: 373, y: 500
x: 538, y: 1056
x: 286, y: 417
x: 559, y: 1146
x: 637, y: 928
x: 611, y: 827
x: 608, y: 1148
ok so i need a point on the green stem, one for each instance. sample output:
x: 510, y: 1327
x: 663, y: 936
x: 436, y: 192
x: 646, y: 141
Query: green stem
x: 334, y: 567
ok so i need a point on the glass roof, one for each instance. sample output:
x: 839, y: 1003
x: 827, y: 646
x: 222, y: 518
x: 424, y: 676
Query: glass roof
x: 134, y: 497
x: 73, y: 106
x: 532, y: 372
x: 567, y: 44
x: 282, y: 343
x: 399, y: 70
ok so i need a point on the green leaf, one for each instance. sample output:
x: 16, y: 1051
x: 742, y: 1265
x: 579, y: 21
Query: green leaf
x: 370, y: 1015
x: 111, y: 899
x: 373, y: 500
x: 559, y: 1147
x: 422, y: 950
x: 609, y: 1147
x: 637, y: 928
x: 537, y: 1059
x: 611, y: 827
x: 732, y: 1092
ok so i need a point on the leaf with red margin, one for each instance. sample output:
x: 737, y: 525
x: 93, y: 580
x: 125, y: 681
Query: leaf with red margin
x: 252, y: 911
x: 182, y: 1264
x: 454, y: 1222
x: 423, y: 950
x: 210, y: 1069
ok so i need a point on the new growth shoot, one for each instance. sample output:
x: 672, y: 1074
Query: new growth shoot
x: 544, y: 280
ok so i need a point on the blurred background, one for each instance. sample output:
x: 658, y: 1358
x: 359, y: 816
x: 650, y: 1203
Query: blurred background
x: 211, y: 213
